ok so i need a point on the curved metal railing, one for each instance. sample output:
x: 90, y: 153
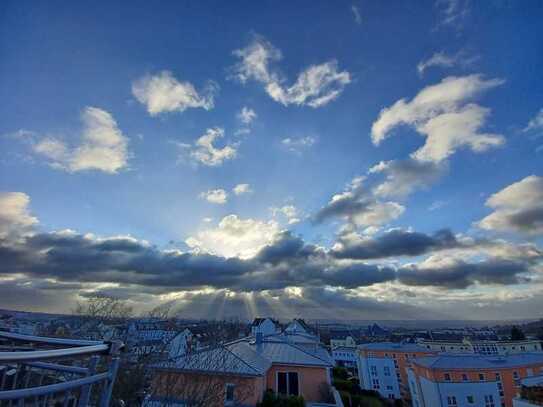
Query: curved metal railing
x: 77, y: 372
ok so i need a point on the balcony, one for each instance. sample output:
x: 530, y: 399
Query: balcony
x: 46, y: 372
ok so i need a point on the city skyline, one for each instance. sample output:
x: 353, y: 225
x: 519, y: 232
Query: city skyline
x: 354, y: 160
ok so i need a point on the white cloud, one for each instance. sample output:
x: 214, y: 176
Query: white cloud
x: 517, y: 208
x: 288, y: 211
x: 103, y: 146
x: 316, y: 86
x: 52, y: 148
x: 297, y: 145
x: 246, y: 115
x: 438, y: 59
x: 216, y: 196
x: 15, y: 216
x: 356, y: 14
x: 437, y: 205
x: 452, y: 13
x: 438, y: 112
x: 450, y: 131
x: 164, y: 93
x: 235, y: 237
x: 242, y: 189
x: 536, y: 123
x: 204, y: 151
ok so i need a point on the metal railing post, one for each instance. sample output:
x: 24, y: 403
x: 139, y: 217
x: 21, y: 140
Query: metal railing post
x: 106, y: 392
x: 84, y: 397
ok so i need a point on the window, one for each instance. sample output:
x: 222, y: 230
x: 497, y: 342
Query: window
x: 489, y: 401
x: 389, y: 387
x: 470, y: 399
x: 517, y: 378
x: 373, y: 369
x: 498, y: 377
x: 375, y: 383
x: 451, y: 401
x: 229, y: 392
x: 481, y: 377
x: 464, y: 377
x: 387, y: 370
x: 287, y: 383
x: 447, y: 377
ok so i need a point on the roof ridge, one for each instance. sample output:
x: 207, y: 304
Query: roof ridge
x: 247, y: 363
x: 306, y: 352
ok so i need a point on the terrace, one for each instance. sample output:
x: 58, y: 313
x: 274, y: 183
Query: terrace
x: 45, y: 372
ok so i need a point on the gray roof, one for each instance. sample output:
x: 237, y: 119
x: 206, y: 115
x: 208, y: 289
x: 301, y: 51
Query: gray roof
x: 282, y: 352
x: 393, y: 346
x: 462, y: 361
x: 240, y: 360
x: 246, y: 357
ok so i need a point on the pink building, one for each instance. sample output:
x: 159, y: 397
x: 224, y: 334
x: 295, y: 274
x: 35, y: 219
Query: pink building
x: 238, y: 373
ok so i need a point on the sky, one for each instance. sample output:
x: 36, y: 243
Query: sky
x: 317, y: 159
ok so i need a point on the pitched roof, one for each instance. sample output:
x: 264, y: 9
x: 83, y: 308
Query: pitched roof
x: 221, y: 359
x: 247, y: 357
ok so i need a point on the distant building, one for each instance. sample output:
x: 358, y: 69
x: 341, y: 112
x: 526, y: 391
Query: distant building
x: 158, y: 338
x: 348, y: 342
x: 265, y: 326
x: 531, y: 392
x: 470, y: 380
x: 483, y: 347
x: 347, y: 357
x: 376, y: 331
x: 298, y: 326
x: 242, y: 370
x: 382, y: 366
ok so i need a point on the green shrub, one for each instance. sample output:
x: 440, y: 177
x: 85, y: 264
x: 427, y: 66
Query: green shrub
x: 271, y: 399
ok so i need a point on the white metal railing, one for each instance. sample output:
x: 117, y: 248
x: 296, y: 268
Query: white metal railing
x: 25, y: 379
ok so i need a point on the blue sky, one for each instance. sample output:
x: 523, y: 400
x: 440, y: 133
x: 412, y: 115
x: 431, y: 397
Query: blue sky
x: 105, y: 104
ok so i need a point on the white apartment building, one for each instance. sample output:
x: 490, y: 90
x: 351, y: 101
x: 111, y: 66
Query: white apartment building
x: 382, y: 366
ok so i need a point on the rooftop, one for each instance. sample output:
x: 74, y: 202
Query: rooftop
x: 247, y: 357
x: 468, y: 361
x: 393, y: 346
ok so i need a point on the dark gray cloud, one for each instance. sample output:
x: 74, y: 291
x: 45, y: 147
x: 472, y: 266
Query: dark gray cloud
x: 358, y: 206
x: 58, y: 264
x: 394, y: 243
x: 402, y: 177
x: 461, y: 274
x: 71, y: 257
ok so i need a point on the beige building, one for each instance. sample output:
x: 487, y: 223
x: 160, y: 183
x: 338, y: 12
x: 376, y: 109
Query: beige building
x: 483, y: 347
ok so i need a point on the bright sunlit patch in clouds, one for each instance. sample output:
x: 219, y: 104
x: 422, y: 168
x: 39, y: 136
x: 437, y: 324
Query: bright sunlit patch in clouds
x: 235, y: 237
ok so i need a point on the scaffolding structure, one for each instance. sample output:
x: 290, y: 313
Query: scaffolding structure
x: 43, y: 372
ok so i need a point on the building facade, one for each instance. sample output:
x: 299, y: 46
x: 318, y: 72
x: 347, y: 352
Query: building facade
x: 382, y: 366
x: 240, y: 371
x: 470, y: 380
x: 482, y: 347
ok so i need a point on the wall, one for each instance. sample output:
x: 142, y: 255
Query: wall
x: 310, y: 379
x: 179, y: 385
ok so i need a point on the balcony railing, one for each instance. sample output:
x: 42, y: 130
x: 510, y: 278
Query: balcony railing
x: 56, y: 372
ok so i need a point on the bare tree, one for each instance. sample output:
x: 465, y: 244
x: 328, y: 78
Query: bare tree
x: 162, y: 311
x: 103, y: 309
